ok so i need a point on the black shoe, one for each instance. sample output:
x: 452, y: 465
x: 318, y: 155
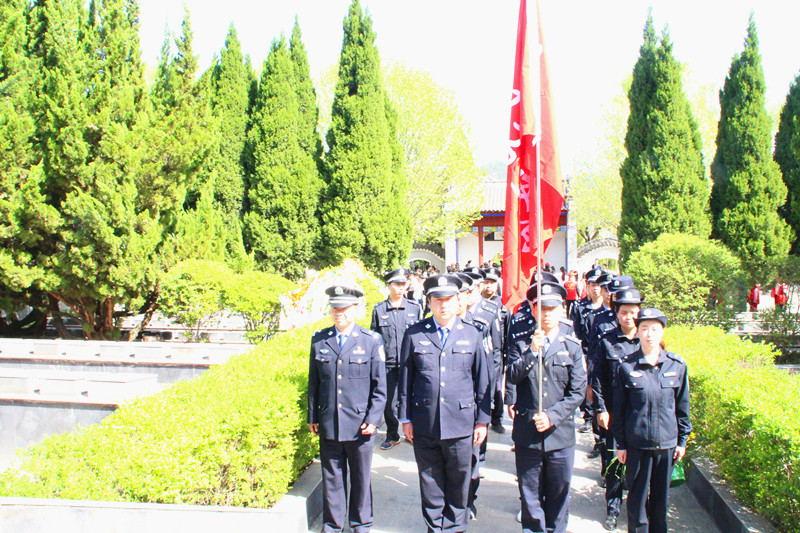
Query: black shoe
x: 498, y: 428
x: 389, y: 444
x: 473, y: 512
x: 586, y: 427
x: 611, y: 523
x: 602, y: 482
x: 594, y: 453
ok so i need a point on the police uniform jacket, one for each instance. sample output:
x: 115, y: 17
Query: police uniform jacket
x: 391, y: 323
x: 564, y: 384
x: 346, y: 388
x: 651, y: 403
x: 444, y: 389
x: 486, y: 316
x: 602, y: 321
x: 522, y: 327
x: 613, y: 349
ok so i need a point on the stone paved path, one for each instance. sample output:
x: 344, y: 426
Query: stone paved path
x: 397, y: 504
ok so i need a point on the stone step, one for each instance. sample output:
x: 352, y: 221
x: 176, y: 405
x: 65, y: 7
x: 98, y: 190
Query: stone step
x: 59, y: 386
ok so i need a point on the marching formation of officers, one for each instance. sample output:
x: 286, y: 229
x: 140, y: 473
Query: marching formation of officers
x: 441, y: 376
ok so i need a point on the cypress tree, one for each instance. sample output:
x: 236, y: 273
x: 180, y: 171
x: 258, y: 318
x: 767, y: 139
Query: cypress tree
x: 280, y: 225
x: 748, y: 190
x: 664, y: 189
x: 787, y: 155
x: 306, y: 95
x: 362, y: 164
x: 26, y: 221
x: 230, y: 101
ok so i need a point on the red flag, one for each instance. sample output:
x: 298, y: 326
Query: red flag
x: 532, y: 156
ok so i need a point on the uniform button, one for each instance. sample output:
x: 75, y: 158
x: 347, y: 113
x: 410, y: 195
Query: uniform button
x: 544, y: 379
x: 545, y: 395
x: 442, y: 400
x: 442, y: 383
x: 340, y: 391
x: 442, y: 369
x: 340, y: 406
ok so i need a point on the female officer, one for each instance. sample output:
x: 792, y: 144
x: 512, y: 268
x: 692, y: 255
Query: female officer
x: 650, y: 422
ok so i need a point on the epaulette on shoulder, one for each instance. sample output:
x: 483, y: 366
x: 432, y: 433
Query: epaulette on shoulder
x: 675, y: 357
x: 572, y: 339
x: 566, y: 321
x: 321, y: 334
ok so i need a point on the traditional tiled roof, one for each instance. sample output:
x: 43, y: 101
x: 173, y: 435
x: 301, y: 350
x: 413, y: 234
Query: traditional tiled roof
x: 494, y: 196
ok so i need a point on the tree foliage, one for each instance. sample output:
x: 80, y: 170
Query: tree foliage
x: 281, y: 225
x: 748, y: 190
x: 444, y: 183
x: 364, y: 209
x: 663, y: 181
x: 787, y: 155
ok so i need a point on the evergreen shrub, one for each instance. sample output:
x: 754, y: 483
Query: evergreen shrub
x: 690, y: 278
x: 743, y: 411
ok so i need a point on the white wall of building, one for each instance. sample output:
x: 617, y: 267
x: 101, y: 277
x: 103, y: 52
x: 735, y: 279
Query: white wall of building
x: 465, y: 248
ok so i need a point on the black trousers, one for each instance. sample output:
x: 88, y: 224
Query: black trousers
x: 543, y: 479
x: 614, y: 481
x: 648, y: 476
x: 445, y: 468
x: 337, y: 459
x: 497, y: 399
x: 392, y: 403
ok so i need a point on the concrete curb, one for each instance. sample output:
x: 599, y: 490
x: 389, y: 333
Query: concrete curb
x: 718, y: 500
x: 294, y: 512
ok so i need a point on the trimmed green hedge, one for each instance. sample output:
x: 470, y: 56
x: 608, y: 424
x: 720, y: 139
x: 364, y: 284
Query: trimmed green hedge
x: 745, y: 416
x: 236, y: 435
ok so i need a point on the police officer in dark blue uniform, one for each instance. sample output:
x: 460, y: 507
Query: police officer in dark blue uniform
x: 444, y: 403
x: 391, y: 318
x: 346, y: 398
x: 615, y: 346
x: 490, y: 296
x: 650, y: 421
x: 544, y: 435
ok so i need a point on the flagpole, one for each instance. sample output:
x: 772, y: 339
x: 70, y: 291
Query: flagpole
x: 539, y: 277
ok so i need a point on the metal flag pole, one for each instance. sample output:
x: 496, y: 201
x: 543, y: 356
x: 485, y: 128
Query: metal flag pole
x: 539, y: 278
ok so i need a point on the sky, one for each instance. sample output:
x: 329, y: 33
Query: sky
x: 467, y: 46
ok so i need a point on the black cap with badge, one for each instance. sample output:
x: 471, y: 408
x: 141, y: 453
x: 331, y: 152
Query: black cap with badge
x: 340, y: 296
x: 552, y: 294
x: 628, y: 296
x: 620, y: 283
x: 492, y: 274
x: 593, y: 275
x: 651, y: 313
x: 397, y: 275
x: 546, y: 277
x: 467, y: 281
x: 442, y: 285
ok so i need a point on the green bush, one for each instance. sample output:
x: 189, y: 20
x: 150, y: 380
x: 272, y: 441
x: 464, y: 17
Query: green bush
x: 236, y: 435
x: 195, y: 290
x: 256, y: 296
x: 689, y: 278
x: 744, y: 412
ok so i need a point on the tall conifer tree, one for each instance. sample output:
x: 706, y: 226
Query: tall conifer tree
x: 280, y: 225
x: 787, y: 155
x: 26, y: 220
x: 664, y: 186
x: 306, y: 95
x: 230, y: 100
x: 748, y: 190
x: 361, y: 213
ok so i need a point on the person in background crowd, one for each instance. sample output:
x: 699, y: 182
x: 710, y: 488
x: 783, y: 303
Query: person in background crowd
x: 571, y: 286
x: 754, y: 297
x: 615, y: 346
x: 444, y: 403
x: 489, y: 292
x: 346, y: 399
x: 780, y: 294
x: 390, y: 319
x: 650, y: 422
x: 563, y: 271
